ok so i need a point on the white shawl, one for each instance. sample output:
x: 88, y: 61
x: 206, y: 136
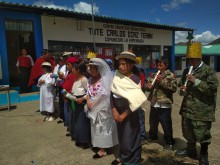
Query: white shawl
x: 128, y: 89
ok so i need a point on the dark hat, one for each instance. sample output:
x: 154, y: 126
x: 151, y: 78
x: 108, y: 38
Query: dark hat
x: 127, y: 55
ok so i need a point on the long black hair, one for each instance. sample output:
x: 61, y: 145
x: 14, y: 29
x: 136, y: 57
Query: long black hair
x: 81, y: 66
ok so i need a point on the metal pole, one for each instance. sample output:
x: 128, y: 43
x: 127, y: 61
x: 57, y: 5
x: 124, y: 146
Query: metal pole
x: 93, y: 28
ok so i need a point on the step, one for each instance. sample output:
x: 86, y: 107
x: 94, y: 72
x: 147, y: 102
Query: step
x: 25, y: 97
x: 14, y: 97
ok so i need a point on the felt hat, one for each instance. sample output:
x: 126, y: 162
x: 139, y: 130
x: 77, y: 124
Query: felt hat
x: 127, y: 55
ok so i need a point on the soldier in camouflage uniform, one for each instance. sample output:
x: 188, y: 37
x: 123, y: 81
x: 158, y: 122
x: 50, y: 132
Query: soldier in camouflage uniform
x: 198, y: 105
x: 161, y: 98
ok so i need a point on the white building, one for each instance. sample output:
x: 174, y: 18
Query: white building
x: 35, y: 28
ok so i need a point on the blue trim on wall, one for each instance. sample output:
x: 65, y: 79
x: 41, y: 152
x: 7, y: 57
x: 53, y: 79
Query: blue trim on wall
x: 172, y: 62
x: 38, y: 37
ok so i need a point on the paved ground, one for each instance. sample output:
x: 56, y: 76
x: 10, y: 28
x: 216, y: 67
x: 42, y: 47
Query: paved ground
x: 25, y: 139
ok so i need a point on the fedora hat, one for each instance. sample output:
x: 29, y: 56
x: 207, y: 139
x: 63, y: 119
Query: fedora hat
x: 127, y: 55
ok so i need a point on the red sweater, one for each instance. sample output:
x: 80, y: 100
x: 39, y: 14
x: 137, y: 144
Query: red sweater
x: 68, y: 82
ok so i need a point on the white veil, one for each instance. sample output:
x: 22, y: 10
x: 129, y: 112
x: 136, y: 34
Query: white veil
x: 102, y: 99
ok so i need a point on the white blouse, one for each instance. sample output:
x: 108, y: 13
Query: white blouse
x: 80, y: 87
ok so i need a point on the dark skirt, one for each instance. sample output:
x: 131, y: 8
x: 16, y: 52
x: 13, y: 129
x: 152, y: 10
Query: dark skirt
x: 82, y: 125
x: 129, y: 134
x: 24, y: 78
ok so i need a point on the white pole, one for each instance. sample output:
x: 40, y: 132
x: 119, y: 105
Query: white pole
x: 93, y: 29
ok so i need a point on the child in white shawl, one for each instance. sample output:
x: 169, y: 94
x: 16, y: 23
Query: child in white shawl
x: 46, y: 83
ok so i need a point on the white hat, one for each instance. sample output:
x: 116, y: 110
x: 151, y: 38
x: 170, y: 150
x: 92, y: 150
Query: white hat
x: 46, y: 64
x: 67, y: 53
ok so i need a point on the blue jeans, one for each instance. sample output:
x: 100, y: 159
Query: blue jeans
x: 162, y: 116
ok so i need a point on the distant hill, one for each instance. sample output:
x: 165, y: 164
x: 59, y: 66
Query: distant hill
x: 217, y: 41
x: 181, y: 44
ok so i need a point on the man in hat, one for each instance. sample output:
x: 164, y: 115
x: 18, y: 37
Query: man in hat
x: 198, y: 105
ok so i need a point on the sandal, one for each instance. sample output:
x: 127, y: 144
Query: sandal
x: 99, y: 154
x: 116, y: 162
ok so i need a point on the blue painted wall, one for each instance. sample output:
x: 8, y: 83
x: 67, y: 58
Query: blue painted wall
x: 38, y: 37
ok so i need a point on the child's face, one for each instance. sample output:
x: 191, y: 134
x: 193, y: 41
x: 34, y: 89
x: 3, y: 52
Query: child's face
x: 163, y: 66
x: 44, y: 70
x: 75, y: 71
x: 124, y: 67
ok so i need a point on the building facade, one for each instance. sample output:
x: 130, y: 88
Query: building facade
x: 35, y: 28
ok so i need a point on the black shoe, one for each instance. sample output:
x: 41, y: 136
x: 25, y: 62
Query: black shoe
x: 149, y: 141
x: 168, y: 147
x: 85, y: 145
x: 37, y: 110
x: 68, y: 134
x: 203, y: 159
x: 116, y: 162
x: 186, y: 153
x: 60, y: 121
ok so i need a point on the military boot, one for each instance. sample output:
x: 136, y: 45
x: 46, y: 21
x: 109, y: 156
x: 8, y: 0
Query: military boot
x: 189, y: 151
x: 203, y: 158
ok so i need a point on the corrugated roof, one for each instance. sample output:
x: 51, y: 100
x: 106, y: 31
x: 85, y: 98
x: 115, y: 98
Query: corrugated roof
x: 71, y: 14
x: 206, y: 50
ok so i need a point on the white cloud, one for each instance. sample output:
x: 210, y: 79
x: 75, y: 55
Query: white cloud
x: 82, y: 7
x: 50, y: 4
x: 174, y: 4
x: 86, y: 8
x: 205, y: 37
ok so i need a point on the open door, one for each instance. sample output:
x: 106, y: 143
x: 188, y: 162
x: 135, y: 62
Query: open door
x: 19, y: 35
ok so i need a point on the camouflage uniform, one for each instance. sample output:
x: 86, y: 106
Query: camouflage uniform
x: 162, y: 94
x: 198, y: 105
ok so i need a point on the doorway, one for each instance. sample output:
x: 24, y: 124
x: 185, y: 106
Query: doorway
x: 19, y: 35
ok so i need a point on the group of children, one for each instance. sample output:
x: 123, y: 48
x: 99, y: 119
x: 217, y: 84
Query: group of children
x: 103, y: 109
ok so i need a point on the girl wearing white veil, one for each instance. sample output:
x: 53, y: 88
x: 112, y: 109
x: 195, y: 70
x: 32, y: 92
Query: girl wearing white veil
x: 103, y: 126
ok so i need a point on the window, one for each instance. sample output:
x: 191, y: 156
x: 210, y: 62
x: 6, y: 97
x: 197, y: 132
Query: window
x: 80, y: 25
x: 19, y: 25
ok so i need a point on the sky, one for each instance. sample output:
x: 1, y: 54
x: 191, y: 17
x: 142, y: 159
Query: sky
x: 201, y: 15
